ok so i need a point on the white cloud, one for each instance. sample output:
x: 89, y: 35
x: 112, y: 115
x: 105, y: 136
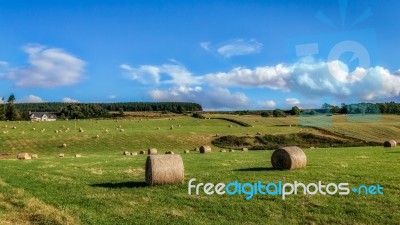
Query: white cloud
x: 270, y: 104
x: 48, y: 68
x: 31, y: 99
x: 213, y: 98
x: 240, y: 47
x: 390, y: 85
x: 168, y: 73
x: 205, y: 45
x: 112, y: 96
x: 307, y: 77
x: 70, y: 100
x: 274, y: 77
x: 4, y: 64
x: 292, y: 102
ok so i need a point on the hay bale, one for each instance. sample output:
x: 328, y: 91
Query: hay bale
x: 64, y: 145
x: 34, y: 156
x: 142, y: 152
x: 230, y: 126
x: 14, y: 128
x: 33, y: 128
x: 169, y: 152
x: 134, y: 153
x: 61, y: 155
x: 171, y: 127
x: 205, y: 149
x: 245, y: 149
x: 152, y: 151
x: 126, y: 153
x: 78, y: 155
x: 289, y: 158
x: 196, y: 149
x: 231, y: 150
x: 23, y: 156
x: 390, y: 144
x: 186, y: 151
x: 222, y: 150
x: 97, y: 136
x: 164, y: 169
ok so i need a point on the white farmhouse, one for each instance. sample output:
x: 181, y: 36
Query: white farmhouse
x: 42, y: 116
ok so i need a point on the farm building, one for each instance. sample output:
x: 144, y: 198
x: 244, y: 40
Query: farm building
x: 42, y: 116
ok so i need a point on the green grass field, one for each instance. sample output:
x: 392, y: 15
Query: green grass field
x: 105, y: 187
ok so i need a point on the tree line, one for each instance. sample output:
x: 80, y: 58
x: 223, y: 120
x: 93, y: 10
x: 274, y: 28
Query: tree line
x: 355, y: 108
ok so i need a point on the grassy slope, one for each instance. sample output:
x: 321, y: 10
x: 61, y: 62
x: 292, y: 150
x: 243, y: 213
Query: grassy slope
x: 104, y: 187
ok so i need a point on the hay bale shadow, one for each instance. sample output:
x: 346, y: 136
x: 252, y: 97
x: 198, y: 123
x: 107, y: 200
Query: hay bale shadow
x: 131, y: 184
x: 255, y: 169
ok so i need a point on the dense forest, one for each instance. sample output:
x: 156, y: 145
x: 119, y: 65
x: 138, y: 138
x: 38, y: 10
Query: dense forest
x: 10, y: 110
x: 178, y: 107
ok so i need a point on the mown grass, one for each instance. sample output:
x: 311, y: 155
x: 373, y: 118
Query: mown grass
x: 105, y: 187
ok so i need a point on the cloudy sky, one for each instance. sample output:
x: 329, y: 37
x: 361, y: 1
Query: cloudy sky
x: 223, y: 55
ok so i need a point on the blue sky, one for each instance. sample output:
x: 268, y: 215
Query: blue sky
x: 223, y: 55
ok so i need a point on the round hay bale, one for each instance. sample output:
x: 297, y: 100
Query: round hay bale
x: 222, y: 150
x: 142, y: 152
x: 122, y: 130
x: 205, y: 149
x: 186, y: 151
x: 245, y: 149
x: 61, y: 155
x: 97, y: 136
x: 23, y: 156
x: 169, y: 152
x: 196, y: 149
x: 289, y: 158
x: 34, y: 156
x: 390, y: 144
x: 134, y: 153
x: 164, y: 169
x: 231, y: 150
x: 64, y: 145
x: 152, y: 151
x: 33, y: 128
x: 126, y: 153
x: 14, y: 128
x: 78, y: 155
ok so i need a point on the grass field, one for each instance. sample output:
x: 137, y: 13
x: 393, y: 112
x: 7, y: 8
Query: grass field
x: 105, y: 187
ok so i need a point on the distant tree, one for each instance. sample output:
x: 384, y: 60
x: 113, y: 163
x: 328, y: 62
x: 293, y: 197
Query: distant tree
x: 11, y: 99
x: 335, y: 109
x: 295, y: 111
x: 327, y: 108
x: 278, y: 113
x: 11, y: 113
x: 343, y: 108
x: 266, y: 114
